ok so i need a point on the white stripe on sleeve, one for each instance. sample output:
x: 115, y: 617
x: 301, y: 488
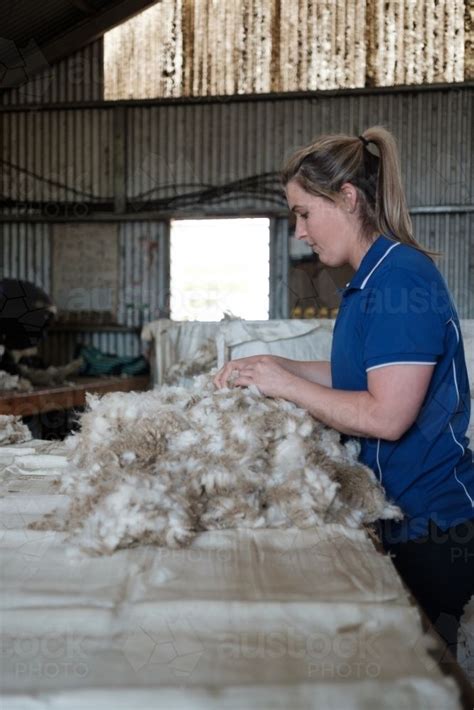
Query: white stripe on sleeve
x: 400, y: 362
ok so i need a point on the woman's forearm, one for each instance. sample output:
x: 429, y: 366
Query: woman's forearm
x: 352, y: 413
x: 318, y: 371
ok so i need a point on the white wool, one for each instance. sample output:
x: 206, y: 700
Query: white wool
x: 71, y: 442
x: 215, y: 479
x: 330, y: 446
x: 290, y: 452
x: 202, y: 360
x: 241, y: 433
x: 225, y: 403
x: 14, y: 382
x: 159, y: 466
x: 101, y: 429
x: 305, y: 429
x: 352, y: 447
x: 12, y: 430
x: 186, y: 439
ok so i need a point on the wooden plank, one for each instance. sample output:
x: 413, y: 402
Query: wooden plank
x: 66, y: 397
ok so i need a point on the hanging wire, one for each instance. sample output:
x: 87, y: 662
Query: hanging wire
x: 264, y: 187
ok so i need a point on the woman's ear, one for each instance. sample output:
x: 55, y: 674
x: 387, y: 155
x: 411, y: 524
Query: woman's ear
x: 349, y: 196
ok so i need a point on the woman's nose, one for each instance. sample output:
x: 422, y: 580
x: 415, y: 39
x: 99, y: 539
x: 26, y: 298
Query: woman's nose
x: 300, y: 232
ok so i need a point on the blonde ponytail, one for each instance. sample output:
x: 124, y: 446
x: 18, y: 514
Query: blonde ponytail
x: 391, y: 208
x: 332, y: 160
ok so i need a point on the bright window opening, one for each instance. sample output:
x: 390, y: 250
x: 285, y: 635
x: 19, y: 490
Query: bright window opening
x: 220, y: 266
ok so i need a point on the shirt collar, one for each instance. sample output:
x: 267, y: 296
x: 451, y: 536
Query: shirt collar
x: 377, y: 252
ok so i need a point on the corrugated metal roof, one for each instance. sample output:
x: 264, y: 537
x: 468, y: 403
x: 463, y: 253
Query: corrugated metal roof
x: 78, y: 77
x: 36, y: 34
x: 216, y: 48
x: 23, y: 20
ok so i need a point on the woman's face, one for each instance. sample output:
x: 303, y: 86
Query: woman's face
x: 330, y: 229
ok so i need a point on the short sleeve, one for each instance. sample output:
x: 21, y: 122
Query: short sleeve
x: 402, y: 320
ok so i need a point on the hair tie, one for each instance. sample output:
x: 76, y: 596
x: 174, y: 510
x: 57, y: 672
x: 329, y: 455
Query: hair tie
x: 364, y: 140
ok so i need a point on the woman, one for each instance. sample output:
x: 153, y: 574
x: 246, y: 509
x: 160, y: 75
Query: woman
x: 397, y: 377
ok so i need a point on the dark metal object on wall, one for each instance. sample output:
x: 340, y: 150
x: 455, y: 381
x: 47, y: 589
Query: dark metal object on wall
x: 26, y: 311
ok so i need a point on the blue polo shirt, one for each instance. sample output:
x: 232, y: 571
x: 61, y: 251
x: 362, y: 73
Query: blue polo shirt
x: 398, y: 309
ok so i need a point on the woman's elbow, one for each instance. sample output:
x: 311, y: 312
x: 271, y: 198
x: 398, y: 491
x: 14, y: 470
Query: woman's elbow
x: 390, y: 427
x: 392, y: 435
x: 392, y: 430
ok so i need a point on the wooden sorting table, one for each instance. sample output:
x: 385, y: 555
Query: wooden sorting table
x: 48, y: 399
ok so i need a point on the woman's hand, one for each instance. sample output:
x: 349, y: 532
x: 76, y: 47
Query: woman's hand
x: 263, y: 371
x: 227, y: 374
x: 318, y: 372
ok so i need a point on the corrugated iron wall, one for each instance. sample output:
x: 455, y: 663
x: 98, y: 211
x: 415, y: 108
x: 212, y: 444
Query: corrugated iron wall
x: 208, y: 48
x: 170, y: 150
x: 143, y: 282
x: 79, y: 77
x: 57, y: 156
x: 25, y: 252
x: 68, y: 155
x: 144, y: 278
x: 452, y: 234
x: 176, y: 149
x: 180, y: 149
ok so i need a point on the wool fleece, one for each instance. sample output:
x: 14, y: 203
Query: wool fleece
x: 160, y: 466
x: 12, y: 430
